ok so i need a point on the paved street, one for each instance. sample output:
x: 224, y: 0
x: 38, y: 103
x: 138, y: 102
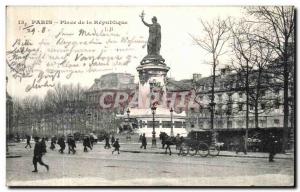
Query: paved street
x: 99, y: 167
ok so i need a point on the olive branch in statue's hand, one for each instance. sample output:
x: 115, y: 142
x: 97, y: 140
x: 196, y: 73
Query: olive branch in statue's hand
x: 142, y: 15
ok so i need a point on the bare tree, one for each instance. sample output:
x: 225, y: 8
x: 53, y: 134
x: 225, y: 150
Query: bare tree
x: 250, y: 61
x: 277, y: 25
x: 216, y: 35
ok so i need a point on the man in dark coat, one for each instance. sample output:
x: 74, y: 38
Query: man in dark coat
x: 116, y: 146
x: 62, y: 144
x: 53, y: 142
x: 27, y: 141
x: 144, y: 141
x: 272, y: 146
x: 86, y: 143
x: 71, y: 144
x: 241, y: 145
x: 112, y: 140
x: 107, y: 145
x: 37, y: 155
x: 43, y: 142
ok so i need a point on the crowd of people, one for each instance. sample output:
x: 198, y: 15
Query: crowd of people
x: 88, y: 141
x: 40, y: 147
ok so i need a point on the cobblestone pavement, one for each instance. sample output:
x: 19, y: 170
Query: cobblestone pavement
x: 100, y: 167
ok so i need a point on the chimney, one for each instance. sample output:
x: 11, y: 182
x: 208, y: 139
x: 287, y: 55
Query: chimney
x: 196, y: 77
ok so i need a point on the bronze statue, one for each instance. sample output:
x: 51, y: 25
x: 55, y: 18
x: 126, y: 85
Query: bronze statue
x: 154, y: 42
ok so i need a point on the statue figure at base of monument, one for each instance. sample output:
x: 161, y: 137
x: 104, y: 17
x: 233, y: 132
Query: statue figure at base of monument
x: 154, y: 42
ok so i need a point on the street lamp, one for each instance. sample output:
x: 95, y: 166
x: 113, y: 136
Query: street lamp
x: 128, y: 124
x: 172, y: 132
x: 153, y: 108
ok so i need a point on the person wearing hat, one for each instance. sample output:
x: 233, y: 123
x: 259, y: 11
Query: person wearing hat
x: 62, y: 144
x: 53, y: 142
x: 107, y: 145
x: 28, y: 141
x: 86, y: 143
x: 116, y: 146
x: 38, y: 154
x: 71, y: 144
x: 144, y: 142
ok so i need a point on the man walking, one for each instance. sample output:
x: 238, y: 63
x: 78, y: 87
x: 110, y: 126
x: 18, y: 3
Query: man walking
x: 116, y: 146
x: 71, y: 144
x: 53, y: 142
x: 112, y: 140
x: 107, y: 145
x: 144, y: 141
x: 27, y: 141
x: 62, y: 144
x: 37, y: 155
x: 272, y: 146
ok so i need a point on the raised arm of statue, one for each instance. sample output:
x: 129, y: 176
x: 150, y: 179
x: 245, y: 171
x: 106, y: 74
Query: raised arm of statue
x: 145, y: 23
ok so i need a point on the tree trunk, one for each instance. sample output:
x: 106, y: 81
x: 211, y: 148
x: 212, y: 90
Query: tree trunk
x: 285, y: 98
x: 212, y: 103
x: 256, y: 102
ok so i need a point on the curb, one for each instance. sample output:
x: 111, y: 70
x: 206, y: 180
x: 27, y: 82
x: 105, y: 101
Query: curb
x: 222, y: 155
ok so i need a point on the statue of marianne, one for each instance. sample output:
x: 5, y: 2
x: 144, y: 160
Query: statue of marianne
x: 154, y: 40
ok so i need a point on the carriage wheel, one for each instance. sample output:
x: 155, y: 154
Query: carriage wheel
x: 192, y: 150
x: 183, y: 150
x: 214, y: 151
x: 203, y: 150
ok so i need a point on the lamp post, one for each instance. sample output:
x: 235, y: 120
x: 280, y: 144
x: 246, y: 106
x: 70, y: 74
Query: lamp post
x: 128, y: 113
x: 153, y: 108
x: 172, y: 132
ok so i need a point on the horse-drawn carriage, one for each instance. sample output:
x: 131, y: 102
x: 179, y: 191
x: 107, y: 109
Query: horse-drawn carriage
x: 196, y: 143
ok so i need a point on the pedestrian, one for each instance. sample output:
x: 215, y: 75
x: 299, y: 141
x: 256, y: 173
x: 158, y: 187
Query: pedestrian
x: 53, y: 142
x: 241, y: 145
x: 272, y: 146
x: 28, y: 141
x: 62, y: 144
x: 37, y: 155
x: 107, y: 145
x: 44, y: 146
x: 86, y: 143
x: 71, y: 144
x: 144, y: 141
x: 116, y: 146
x: 177, y: 141
x: 112, y: 140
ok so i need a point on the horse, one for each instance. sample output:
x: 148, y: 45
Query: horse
x: 167, y: 140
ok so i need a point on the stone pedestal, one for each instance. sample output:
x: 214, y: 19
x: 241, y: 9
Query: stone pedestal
x: 152, y: 81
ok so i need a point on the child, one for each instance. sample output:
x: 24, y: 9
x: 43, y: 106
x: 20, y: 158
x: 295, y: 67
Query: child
x: 116, y: 146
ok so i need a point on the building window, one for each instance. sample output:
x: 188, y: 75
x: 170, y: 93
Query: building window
x: 251, y: 107
x: 240, y: 95
x: 220, y: 124
x: 150, y: 124
x: 166, y: 124
x: 229, y: 124
x: 178, y: 124
x: 276, y: 104
x: 200, y: 124
x: 220, y: 97
x: 240, y: 106
x: 183, y: 125
x: 276, y: 121
x: 241, y: 123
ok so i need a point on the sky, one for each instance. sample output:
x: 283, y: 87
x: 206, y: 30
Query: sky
x: 182, y: 55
